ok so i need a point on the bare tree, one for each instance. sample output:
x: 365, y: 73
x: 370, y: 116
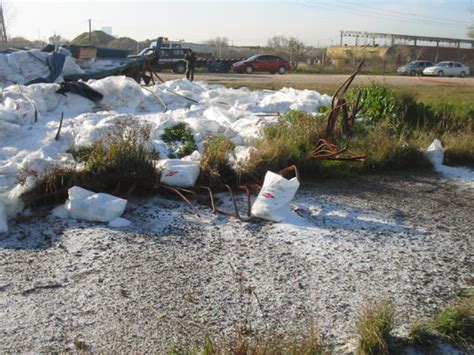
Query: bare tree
x: 219, y: 43
x: 278, y: 43
x: 297, y: 50
x: 57, y: 39
x: 9, y: 14
x: 288, y: 47
x: 471, y: 32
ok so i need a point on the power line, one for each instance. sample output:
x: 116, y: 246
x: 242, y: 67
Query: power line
x: 414, y: 16
x: 385, y: 14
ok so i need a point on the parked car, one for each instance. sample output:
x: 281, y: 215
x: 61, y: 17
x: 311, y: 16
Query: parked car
x: 415, y: 67
x: 447, y: 69
x: 170, y: 58
x: 267, y: 63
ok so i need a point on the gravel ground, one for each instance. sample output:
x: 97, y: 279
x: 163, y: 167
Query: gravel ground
x: 172, y: 276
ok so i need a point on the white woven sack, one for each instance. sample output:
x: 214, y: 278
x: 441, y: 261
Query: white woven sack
x: 273, y: 201
x: 179, y: 173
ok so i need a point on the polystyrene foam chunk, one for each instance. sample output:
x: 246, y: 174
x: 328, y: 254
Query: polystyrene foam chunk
x: 90, y: 206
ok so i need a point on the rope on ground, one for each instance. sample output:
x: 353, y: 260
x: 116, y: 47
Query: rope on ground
x: 158, y: 97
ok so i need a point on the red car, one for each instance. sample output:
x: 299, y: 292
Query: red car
x: 270, y: 63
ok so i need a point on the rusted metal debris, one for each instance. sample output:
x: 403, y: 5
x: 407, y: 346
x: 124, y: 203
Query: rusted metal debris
x: 194, y: 192
x: 325, y: 150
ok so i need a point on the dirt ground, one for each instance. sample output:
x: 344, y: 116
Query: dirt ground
x: 172, y: 276
x: 300, y: 80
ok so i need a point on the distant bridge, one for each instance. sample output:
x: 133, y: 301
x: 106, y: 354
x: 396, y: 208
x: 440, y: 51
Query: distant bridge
x: 414, y: 40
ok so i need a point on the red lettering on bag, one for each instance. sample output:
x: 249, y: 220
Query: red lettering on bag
x: 268, y: 195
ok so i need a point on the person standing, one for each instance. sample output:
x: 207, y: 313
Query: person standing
x: 191, y: 64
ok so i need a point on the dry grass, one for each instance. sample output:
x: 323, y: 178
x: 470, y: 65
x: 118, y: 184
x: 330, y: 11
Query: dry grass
x: 121, y: 163
x: 459, y: 149
x: 216, y: 167
x: 309, y: 343
x: 289, y: 142
x: 374, y: 327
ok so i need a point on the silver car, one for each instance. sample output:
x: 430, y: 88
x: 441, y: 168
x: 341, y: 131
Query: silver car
x: 447, y: 69
x: 415, y: 67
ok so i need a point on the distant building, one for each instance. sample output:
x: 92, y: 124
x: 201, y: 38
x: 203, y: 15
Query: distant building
x: 107, y: 30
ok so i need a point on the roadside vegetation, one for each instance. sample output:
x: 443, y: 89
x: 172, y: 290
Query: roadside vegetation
x: 453, y: 324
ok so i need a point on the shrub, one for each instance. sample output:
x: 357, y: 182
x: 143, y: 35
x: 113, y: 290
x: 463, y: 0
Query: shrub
x: 399, y: 110
x: 378, y: 103
x: 180, y: 140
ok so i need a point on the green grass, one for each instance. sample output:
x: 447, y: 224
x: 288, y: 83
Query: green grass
x: 454, y: 323
x: 179, y: 140
x: 373, y: 329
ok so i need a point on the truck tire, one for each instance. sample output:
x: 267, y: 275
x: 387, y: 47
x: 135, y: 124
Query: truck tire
x: 179, y: 68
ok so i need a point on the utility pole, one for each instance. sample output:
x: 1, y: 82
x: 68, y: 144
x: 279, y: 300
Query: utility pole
x: 3, y: 31
x: 90, y: 32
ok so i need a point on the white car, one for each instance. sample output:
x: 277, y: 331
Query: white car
x: 447, y: 69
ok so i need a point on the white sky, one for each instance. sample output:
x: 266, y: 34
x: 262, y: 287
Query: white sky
x: 242, y: 22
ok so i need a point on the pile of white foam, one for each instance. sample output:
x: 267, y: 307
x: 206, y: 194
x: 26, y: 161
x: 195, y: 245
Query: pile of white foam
x: 27, y: 145
x: 23, y: 66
